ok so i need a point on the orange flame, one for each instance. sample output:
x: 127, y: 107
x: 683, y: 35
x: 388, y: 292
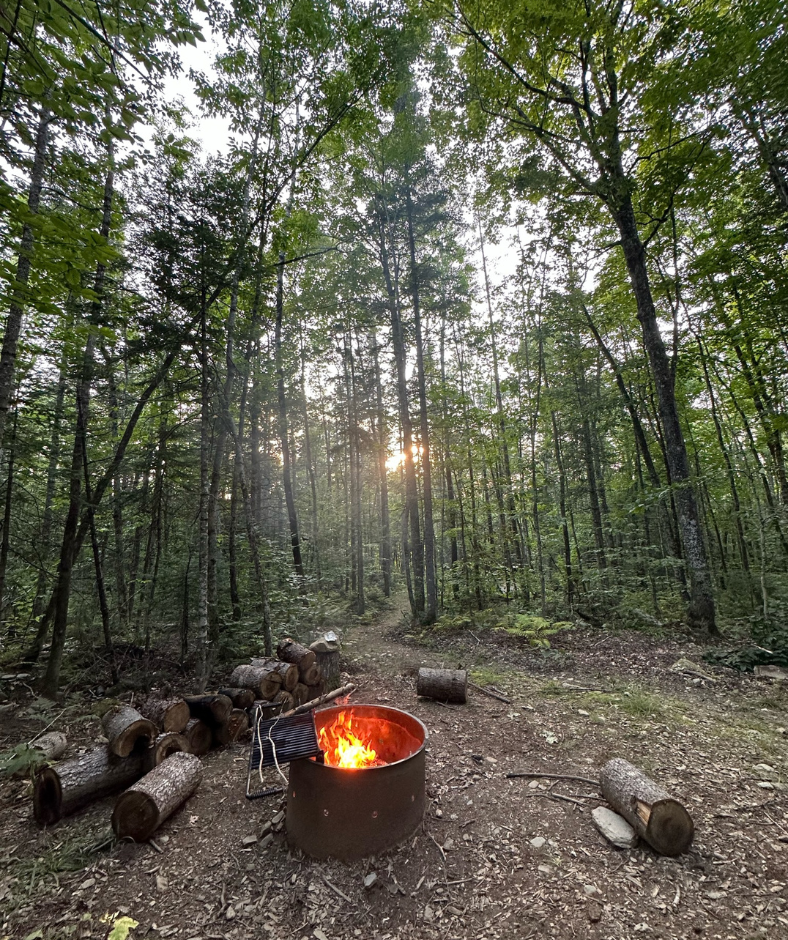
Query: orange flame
x: 342, y: 748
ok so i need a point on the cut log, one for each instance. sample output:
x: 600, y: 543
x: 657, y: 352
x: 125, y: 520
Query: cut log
x: 126, y: 729
x: 313, y: 675
x: 286, y: 700
x: 143, y: 807
x: 445, y: 685
x: 68, y: 786
x: 169, y: 714
x: 199, y: 736
x: 259, y: 679
x: 232, y: 729
x: 655, y: 815
x: 287, y: 672
x: 291, y: 652
x: 300, y: 694
x: 214, y: 710
x: 167, y: 743
x: 241, y: 698
x: 315, y: 691
x: 52, y: 745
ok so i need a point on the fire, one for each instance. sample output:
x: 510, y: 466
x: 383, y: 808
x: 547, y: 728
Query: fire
x: 342, y: 748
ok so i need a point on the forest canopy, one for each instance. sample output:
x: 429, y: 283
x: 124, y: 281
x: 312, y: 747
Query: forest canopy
x: 478, y: 301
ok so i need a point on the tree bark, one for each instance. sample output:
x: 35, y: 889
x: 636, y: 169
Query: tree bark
x: 701, y: 612
x: 144, y: 806
x: 169, y: 714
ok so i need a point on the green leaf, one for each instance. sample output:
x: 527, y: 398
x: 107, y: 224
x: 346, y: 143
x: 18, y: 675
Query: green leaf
x: 121, y: 927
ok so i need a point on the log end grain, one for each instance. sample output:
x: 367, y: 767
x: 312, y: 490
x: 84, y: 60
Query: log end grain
x: 127, y: 730
x: 199, y: 736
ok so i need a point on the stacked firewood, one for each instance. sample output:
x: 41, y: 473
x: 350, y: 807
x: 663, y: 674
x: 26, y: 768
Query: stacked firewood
x: 279, y: 685
x: 139, y: 740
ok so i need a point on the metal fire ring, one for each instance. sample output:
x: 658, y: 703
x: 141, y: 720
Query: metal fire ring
x: 347, y: 814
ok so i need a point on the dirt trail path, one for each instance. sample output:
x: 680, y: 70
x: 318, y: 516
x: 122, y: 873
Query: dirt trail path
x: 496, y: 858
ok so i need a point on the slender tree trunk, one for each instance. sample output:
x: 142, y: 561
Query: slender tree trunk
x: 701, y: 612
x: 431, y: 610
x: 284, y: 440
x: 5, y: 542
x: 13, y: 325
x: 69, y: 548
x: 382, y: 448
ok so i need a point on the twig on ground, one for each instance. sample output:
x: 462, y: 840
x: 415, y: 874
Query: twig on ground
x: 336, y: 890
x: 535, y: 776
x: 501, y: 698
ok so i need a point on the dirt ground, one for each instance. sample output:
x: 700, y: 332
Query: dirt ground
x: 496, y: 857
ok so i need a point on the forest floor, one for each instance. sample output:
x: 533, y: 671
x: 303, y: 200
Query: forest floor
x: 495, y: 857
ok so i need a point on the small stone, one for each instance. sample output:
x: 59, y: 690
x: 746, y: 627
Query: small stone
x: 87, y: 884
x: 318, y: 934
x: 249, y: 840
x: 439, y: 813
x: 614, y: 828
x: 448, y: 844
x: 538, y: 842
x: 716, y: 895
x: 583, y: 712
x: 161, y: 883
x: 590, y: 890
x: 765, y: 784
x: 533, y: 785
x: 429, y: 916
x: 230, y: 913
x: 265, y: 842
x: 370, y: 880
x: 545, y: 869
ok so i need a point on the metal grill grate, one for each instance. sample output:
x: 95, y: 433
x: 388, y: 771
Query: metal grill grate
x: 290, y: 738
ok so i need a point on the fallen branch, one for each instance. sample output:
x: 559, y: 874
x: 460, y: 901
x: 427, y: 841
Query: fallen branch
x: 323, y: 700
x: 534, y: 776
x: 336, y: 890
x: 501, y: 698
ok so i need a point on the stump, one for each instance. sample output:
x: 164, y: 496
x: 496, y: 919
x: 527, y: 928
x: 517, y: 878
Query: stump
x: 214, y: 710
x: 327, y: 653
x: 655, y: 815
x: 291, y: 652
x: 445, y: 685
x: 124, y: 727
x: 167, y: 743
x: 259, y: 679
x: 241, y: 698
x: 169, y: 714
x: 199, y: 736
x: 68, y: 786
x: 143, y: 807
x: 232, y: 729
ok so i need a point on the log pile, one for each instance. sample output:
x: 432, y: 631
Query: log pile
x: 276, y: 685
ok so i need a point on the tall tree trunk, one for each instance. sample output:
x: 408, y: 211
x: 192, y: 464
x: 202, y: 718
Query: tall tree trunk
x: 431, y: 610
x: 284, y: 440
x: 69, y: 548
x: 701, y: 612
x: 13, y: 325
x: 5, y: 542
x: 382, y: 450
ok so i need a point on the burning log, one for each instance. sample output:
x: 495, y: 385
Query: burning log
x: 655, y: 815
x: 444, y: 685
x: 167, y: 743
x: 291, y: 652
x: 214, y: 710
x: 143, y: 807
x: 169, y: 714
x: 199, y: 736
x: 241, y: 698
x: 287, y: 672
x: 124, y: 726
x: 300, y: 694
x: 323, y: 700
x: 68, y: 786
x: 259, y: 679
x: 229, y: 732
